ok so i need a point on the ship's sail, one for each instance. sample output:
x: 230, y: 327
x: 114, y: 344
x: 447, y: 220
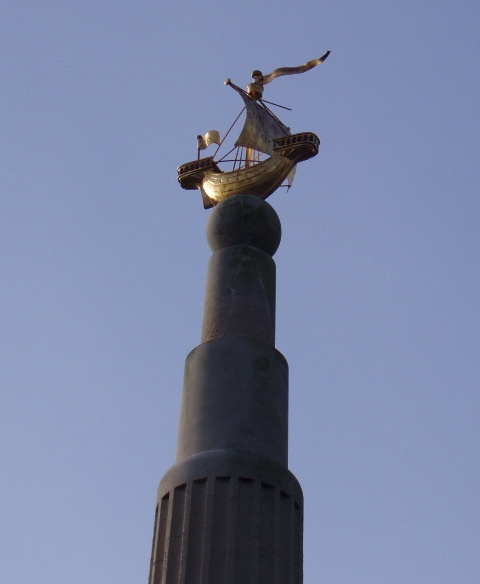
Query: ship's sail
x: 261, y: 126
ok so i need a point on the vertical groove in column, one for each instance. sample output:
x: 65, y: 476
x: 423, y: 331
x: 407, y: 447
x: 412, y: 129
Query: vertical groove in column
x: 154, y: 545
x: 297, y: 542
x: 207, y: 549
x: 220, y: 514
x: 244, y: 551
x: 158, y: 555
x: 175, y: 541
x: 256, y: 533
x: 285, y: 564
x: 232, y: 532
x: 267, y: 531
x: 277, y: 529
x: 195, y: 545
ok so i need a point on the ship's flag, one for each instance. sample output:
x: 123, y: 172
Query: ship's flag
x: 211, y: 137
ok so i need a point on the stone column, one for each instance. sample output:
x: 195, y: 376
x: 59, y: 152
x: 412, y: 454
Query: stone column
x: 229, y: 511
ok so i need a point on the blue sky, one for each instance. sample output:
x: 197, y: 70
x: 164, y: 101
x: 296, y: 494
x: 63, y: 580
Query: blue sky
x: 103, y: 263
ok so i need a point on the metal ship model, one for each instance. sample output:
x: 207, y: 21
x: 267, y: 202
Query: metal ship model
x: 264, y: 155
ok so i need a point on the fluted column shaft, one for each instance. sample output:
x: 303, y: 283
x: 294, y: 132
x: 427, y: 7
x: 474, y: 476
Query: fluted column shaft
x: 229, y: 511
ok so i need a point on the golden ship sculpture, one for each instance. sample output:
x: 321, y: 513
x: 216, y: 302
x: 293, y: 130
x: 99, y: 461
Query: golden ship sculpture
x: 264, y: 155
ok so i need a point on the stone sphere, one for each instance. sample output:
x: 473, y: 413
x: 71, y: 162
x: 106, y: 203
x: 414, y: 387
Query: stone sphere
x: 244, y: 219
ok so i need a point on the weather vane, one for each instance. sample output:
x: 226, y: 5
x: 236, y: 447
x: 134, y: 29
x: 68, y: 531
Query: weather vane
x: 265, y: 154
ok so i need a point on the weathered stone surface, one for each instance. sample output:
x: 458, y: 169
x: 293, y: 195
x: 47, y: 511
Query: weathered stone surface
x: 235, y: 397
x: 244, y: 219
x: 240, y: 295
